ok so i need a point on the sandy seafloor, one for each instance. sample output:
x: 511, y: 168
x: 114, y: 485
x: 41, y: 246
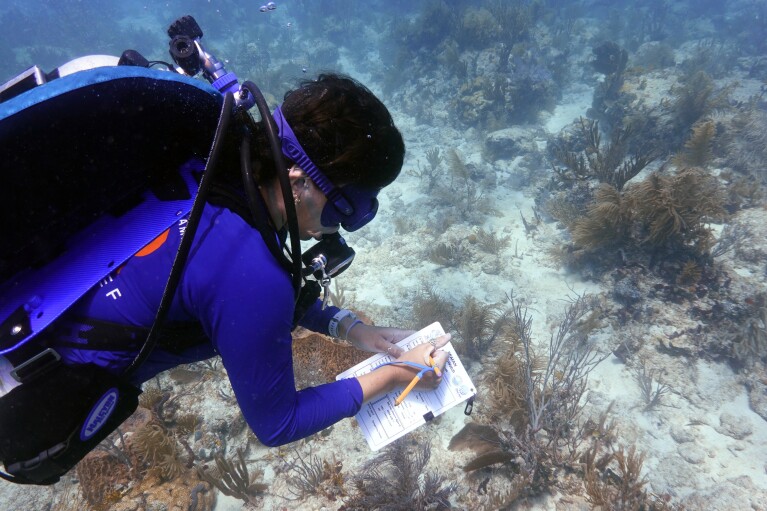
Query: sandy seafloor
x: 705, y: 447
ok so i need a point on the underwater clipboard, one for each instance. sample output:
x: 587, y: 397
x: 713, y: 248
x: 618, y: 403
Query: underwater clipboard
x: 382, y: 423
x: 95, y: 165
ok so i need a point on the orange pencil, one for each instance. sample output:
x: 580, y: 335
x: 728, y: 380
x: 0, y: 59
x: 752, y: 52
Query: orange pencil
x: 407, y: 390
x: 416, y: 379
x: 434, y: 365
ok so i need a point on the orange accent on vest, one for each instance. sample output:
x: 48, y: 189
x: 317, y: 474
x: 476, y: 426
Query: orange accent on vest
x: 153, y: 245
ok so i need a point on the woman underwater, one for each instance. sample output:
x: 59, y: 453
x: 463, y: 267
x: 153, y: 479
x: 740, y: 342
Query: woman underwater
x: 236, y: 299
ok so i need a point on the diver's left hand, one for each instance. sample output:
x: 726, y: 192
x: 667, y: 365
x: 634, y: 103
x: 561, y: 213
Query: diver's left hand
x: 378, y: 339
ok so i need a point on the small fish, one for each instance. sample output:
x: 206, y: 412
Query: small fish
x: 303, y: 69
x: 263, y: 8
x: 289, y: 24
x: 271, y: 6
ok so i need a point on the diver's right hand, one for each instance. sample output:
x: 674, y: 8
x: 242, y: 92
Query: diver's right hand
x: 389, y: 377
x: 420, y: 355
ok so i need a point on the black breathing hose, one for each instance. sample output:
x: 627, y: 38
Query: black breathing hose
x: 287, y: 196
x: 247, y: 174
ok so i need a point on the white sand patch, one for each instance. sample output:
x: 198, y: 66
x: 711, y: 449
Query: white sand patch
x: 576, y: 100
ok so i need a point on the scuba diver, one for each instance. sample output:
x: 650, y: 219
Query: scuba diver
x: 212, y: 281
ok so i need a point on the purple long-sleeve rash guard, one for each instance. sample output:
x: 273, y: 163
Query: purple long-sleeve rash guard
x: 243, y: 299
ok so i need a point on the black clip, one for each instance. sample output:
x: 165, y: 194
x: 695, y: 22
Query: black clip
x: 35, y: 366
x: 469, y: 406
x: 428, y: 416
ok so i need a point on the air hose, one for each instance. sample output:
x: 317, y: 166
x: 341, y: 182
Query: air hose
x: 287, y: 197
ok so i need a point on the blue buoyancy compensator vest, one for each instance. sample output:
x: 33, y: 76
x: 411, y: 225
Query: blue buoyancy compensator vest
x: 94, y: 167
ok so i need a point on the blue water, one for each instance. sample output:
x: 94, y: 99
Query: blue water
x: 456, y: 72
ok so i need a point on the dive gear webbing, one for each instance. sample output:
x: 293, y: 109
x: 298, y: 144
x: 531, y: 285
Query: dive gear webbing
x: 85, y: 192
x: 186, y: 242
x: 86, y: 402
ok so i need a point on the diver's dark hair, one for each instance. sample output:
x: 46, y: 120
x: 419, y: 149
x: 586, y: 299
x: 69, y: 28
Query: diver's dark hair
x: 345, y: 130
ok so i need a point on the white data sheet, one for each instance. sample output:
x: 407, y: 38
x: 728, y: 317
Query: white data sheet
x: 382, y: 422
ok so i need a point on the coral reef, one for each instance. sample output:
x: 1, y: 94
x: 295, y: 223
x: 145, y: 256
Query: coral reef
x: 676, y: 140
x: 507, y: 385
x: 101, y: 478
x: 610, y: 60
x: 232, y: 478
x: 318, y: 358
x: 651, y: 388
x: 143, y: 464
x: 397, y: 479
x: 749, y: 346
x: 429, y: 175
x: 447, y: 254
x: 159, y: 451
x: 662, y: 213
x: 463, y: 190
x: 516, y: 20
x: 714, y: 57
x: 654, y: 55
x: 494, y: 101
x: 490, y: 242
x: 607, y: 163
x: 316, y: 476
x: 478, y: 28
x: 606, y: 222
x: 488, y: 53
x: 690, y: 273
x: 695, y: 97
x: 747, y: 144
x: 673, y: 210
x: 545, y: 436
x: 477, y: 326
x: 622, y: 488
x: 426, y: 31
x: 698, y: 148
x: 429, y: 305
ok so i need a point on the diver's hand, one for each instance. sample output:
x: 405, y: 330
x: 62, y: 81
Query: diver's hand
x: 389, y: 377
x: 378, y: 339
x: 420, y: 355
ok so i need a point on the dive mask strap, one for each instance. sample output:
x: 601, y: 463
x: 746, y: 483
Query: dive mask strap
x: 293, y: 150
